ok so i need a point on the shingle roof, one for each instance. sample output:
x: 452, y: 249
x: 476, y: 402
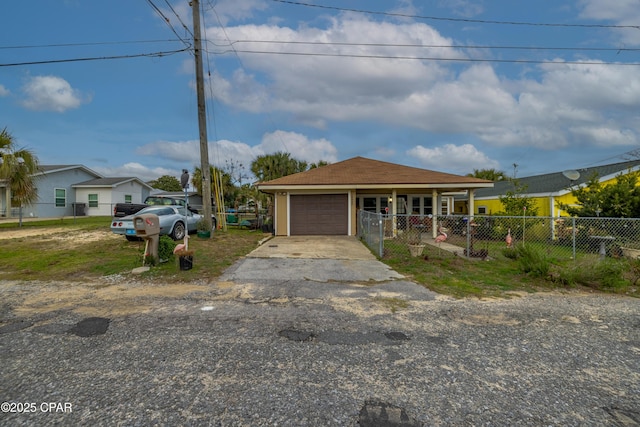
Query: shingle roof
x: 556, y: 182
x: 108, y: 182
x: 363, y: 171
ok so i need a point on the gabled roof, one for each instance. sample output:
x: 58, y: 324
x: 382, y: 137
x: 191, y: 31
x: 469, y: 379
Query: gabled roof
x: 110, y: 182
x: 46, y: 169
x: 360, y: 172
x: 557, y: 183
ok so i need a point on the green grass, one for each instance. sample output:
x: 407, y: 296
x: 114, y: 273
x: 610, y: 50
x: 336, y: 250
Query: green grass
x: 500, y: 276
x: 65, y: 256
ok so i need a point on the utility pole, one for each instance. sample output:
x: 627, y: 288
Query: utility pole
x: 202, y: 115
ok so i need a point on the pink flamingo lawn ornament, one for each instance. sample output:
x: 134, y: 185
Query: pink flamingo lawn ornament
x: 182, y: 246
x: 509, y: 239
x: 442, y: 236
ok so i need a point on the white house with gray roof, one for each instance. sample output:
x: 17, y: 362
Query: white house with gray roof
x: 67, y: 190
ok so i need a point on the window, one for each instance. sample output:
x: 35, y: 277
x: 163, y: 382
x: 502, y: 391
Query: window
x: 128, y: 198
x: 61, y: 197
x: 93, y: 200
x: 482, y: 210
x: 370, y: 204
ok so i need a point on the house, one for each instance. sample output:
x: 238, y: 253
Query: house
x: 550, y: 189
x: 67, y: 190
x: 325, y: 200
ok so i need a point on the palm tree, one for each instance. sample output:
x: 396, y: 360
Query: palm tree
x: 17, y: 169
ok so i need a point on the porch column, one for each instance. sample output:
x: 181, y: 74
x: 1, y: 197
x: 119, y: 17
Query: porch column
x: 472, y: 209
x: 434, y: 210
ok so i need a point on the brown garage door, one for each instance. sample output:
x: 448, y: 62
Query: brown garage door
x: 324, y: 214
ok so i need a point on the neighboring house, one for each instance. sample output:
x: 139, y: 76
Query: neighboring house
x: 65, y: 190
x: 98, y: 196
x: 550, y: 189
x: 325, y: 200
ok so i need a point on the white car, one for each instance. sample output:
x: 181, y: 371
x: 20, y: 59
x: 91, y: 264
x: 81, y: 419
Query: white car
x: 172, y: 222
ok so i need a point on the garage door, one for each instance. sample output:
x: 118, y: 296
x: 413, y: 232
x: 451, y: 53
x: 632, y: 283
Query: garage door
x: 319, y: 214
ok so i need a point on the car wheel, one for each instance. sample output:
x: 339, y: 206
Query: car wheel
x: 133, y: 238
x: 178, y: 231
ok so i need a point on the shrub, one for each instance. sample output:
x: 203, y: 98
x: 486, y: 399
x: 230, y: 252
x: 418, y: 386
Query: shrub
x: 598, y: 274
x: 530, y: 260
x: 166, y: 245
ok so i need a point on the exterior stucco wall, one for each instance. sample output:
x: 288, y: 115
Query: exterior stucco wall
x: 281, y: 213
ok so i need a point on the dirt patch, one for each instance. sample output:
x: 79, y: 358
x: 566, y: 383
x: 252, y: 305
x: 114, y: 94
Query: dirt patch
x: 60, y: 234
x: 28, y: 299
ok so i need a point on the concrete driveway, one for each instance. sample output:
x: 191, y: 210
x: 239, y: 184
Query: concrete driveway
x: 311, y: 258
x: 314, y: 247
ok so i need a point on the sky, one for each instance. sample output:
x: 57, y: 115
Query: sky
x: 449, y: 85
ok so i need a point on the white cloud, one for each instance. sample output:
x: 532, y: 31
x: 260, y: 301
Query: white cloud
x: 137, y: 170
x: 538, y: 109
x: 234, y: 10
x: 4, y: 91
x: 465, y: 8
x: 224, y: 152
x: 459, y: 159
x: 625, y: 12
x: 51, y: 93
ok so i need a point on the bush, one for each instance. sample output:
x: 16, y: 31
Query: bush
x: 598, y: 274
x: 530, y: 260
x: 166, y: 245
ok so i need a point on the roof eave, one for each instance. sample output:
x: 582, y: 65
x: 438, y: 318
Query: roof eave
x: 449, y: 187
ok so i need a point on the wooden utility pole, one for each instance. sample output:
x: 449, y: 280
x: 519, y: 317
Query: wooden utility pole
x: 202, y: 115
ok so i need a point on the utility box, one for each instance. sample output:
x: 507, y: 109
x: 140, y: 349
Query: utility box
x: 146, y: 225
x: 79, y: 209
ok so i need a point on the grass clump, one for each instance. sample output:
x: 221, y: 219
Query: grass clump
x: 602, y: 274
x: 531, y: 260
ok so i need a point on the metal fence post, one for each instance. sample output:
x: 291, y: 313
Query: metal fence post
x: 573, y: 233
x: 381, y: 236
x: 468, y: 238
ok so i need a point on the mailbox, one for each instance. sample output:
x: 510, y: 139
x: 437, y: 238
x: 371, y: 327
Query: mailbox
x: 146, y: 225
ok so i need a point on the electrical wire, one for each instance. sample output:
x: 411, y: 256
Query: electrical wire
x: 97, y: 58
x: 426, y: 46
x: 179, y: 18
x: 167, y: 21
x: 425, y: 58
x: 465, y: 20
x: 88, y: 44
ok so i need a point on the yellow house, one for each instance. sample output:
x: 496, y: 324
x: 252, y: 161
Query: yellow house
x: 549, y: 190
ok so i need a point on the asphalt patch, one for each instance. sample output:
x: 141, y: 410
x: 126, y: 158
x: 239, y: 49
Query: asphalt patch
x: 346, y: 338
x: 375, y: 413
x: 91, y: 326
x: 16, y: 326
x: 293, y: 335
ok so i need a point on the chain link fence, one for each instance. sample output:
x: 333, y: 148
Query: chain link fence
x: 488, y: 236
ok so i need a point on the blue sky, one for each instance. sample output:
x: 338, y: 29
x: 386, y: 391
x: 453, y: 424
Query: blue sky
x: 436, y: 84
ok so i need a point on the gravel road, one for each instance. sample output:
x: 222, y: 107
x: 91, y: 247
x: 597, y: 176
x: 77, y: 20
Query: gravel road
x: 269, y: 349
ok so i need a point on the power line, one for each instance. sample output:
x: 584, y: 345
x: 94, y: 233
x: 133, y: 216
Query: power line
x: 88, y: 44
x: 97, y: 58
x: 179, y: 18
x: 488, y: 47
x: 423, y: 58
x: 168, y: 21
x: 465, y: 20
